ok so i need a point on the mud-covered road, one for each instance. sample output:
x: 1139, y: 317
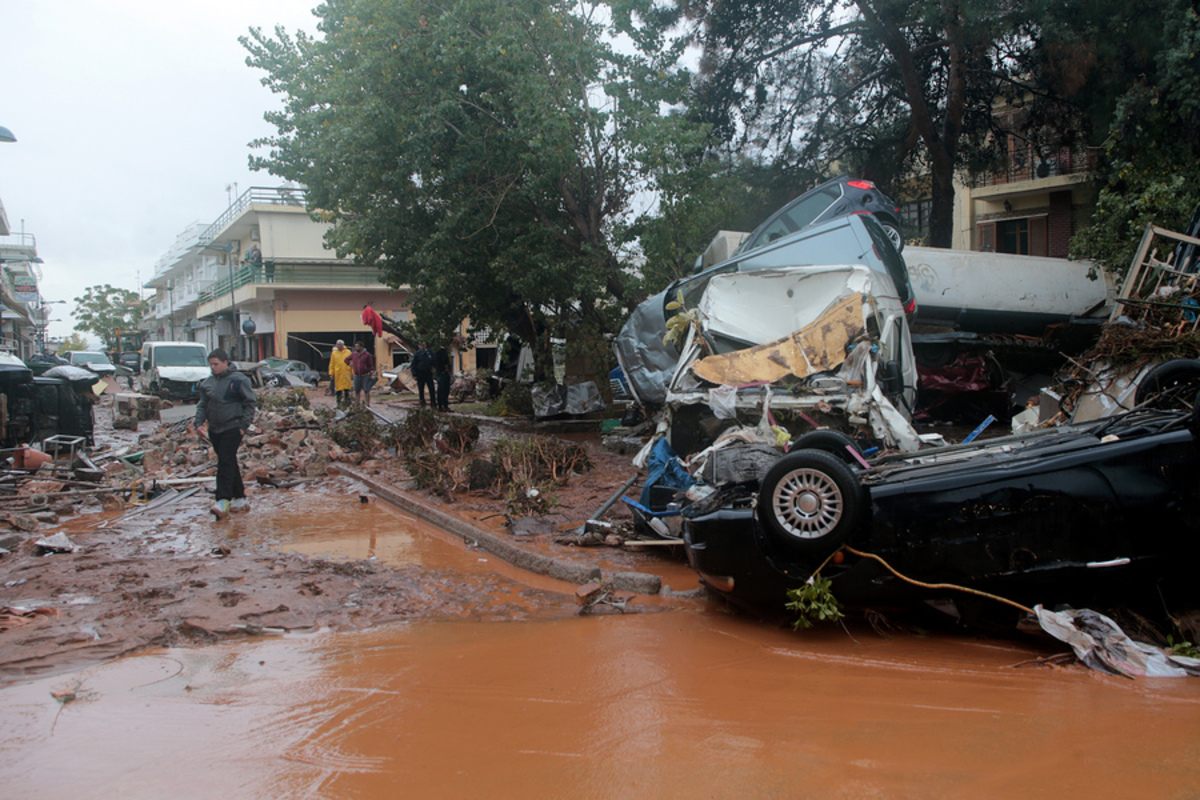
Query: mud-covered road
x: 328, y: 645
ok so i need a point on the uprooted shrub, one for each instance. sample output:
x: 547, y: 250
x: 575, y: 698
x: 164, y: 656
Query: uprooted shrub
x: 515, y: 400
x: 433, y: 449
x: 530, y: 468
x: 283, y: 401
x: 358, y: 431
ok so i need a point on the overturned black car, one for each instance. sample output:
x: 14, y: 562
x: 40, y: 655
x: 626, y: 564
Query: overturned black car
x: 35, y: 408
x: 1106, y: 512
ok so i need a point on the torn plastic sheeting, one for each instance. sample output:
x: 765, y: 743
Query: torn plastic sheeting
x: 819, y: 346
x: 576, y: 399
x: 1101, y: 644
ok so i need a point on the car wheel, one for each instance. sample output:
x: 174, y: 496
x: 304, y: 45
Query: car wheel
x: 811, y: 501
x: 829, y: 441
x: 893, y: 233
x: 1170, y: 385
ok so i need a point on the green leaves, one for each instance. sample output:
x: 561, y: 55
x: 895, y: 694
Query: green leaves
x: 103, y: 310
x: 813, y: 602
x: 486, y: 154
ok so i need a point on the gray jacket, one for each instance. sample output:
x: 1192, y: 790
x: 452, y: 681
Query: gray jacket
x: 226, y: 402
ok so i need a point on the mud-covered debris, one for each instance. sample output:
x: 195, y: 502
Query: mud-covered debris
x: 58, y: 543
x: 23, y: 522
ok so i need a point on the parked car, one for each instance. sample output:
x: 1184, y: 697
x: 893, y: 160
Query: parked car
x: 275, y: 371
x: 131, y: 360
x: 836, y: 198
x: 40, y: 362
x: 1089, y: 514
x: 92, y: 360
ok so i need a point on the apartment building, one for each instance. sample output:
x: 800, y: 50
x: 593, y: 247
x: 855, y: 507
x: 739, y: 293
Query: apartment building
x: 1044, y: 196
x: 259, y: 281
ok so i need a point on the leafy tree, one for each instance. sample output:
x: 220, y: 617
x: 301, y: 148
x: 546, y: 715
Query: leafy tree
x: 488, y: 155
x: 1148, y: 88
x: 883, y: 87
x: 73, y: 342
x: 103, y: 310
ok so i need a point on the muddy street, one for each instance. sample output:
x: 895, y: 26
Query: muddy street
x: 332, y: 645
x: 681, y: 705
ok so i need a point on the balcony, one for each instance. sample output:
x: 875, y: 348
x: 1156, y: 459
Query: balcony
x: 1025, y: 164
x: 255, y: 195
x: 293, y: 274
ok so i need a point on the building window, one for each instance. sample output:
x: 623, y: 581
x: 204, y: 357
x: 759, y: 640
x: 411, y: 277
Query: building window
x: 1025, y: 237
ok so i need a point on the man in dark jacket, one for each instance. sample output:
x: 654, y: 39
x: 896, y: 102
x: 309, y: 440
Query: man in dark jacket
x: 224, y: 412
x: 441, y: 372
x: 422, y: 370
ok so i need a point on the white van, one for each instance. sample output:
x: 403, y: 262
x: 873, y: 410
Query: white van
x: 173, y: 369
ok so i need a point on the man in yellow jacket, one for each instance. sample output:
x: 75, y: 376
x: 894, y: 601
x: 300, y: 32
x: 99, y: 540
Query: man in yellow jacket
x: 341, y: 374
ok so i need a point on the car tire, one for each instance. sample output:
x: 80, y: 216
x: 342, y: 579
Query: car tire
x: 810, y: 501
x: 1170, y: 385
x: 893, y: 233
x: 829, y: 441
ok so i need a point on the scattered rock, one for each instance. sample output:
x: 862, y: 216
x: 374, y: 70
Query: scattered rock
x: 112, y: 502
x: 23, y: 522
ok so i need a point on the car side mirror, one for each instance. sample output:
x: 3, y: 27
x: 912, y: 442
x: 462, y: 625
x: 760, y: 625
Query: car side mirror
x: 146, y: 364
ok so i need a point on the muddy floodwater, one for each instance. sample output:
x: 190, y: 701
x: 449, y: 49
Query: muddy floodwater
x: 684, y: 702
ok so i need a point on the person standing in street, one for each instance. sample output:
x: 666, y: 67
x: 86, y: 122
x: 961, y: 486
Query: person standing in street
x: 362, y: 363
x: 341, y: 375
x: 422, y: 370
x: 441, y: 370
x: 224, y: 412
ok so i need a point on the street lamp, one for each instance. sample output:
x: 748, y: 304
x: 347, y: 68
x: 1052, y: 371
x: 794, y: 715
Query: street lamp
x: 171, y: 301
x: 43, y: 323
x: 6, y: 135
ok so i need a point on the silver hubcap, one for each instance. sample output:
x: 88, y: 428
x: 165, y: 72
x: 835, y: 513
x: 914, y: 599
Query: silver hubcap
x: 807, y: 504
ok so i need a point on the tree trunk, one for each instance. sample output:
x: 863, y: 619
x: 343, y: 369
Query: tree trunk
x: 941, y: 215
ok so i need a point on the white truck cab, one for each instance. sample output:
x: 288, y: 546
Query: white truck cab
x: 173, y: 369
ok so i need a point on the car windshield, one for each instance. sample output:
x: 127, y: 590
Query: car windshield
x: 89, y: 358
x: 795, y: 217
x: 180, y: 356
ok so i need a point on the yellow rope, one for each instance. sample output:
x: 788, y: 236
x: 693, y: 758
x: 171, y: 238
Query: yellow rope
x: 923, y: 585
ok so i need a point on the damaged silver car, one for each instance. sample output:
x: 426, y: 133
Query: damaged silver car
x: 807, y: 332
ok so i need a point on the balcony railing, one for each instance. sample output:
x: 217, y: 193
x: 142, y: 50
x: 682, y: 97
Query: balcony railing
x: 255, y: 195
x: 1025, y: 164
x: 304, y: 274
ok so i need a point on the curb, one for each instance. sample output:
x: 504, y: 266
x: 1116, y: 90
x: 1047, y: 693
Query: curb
x: 637, y: 582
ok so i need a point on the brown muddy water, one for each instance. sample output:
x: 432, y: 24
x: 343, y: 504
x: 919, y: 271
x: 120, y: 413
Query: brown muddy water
x: 681, y: 703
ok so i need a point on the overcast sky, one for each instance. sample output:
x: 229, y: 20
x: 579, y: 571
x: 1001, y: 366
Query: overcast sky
x: 131, y: 117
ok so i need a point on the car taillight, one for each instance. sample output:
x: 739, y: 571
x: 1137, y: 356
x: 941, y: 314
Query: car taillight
x: 910, y: 307
x: 860, y: 184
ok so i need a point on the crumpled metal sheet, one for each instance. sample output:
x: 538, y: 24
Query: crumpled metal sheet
x: 817, y: 347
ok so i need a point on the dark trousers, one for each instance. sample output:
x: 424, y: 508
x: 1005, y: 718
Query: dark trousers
x: 343, y: 397
x: 425, y: 381
x: 443, y: 391
x: 229, y: 476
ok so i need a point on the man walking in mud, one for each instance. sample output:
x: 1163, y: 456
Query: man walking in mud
x: 362, y: 363
x: 224, y: 412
